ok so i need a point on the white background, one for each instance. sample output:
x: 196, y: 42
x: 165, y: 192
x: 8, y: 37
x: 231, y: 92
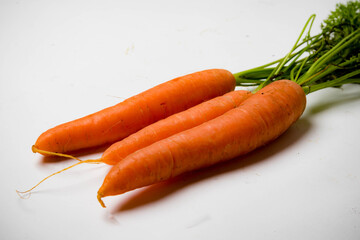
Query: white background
x: 60, y: 60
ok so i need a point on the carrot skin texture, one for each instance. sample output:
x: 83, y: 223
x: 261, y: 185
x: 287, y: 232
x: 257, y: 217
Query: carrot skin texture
x: 119, y: 121
x: 257, y: 121
x: 174, y: 124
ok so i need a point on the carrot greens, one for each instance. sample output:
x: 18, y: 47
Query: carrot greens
x: 328, y: 59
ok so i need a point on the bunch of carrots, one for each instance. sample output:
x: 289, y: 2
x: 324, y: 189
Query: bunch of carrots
x: 198, y: 120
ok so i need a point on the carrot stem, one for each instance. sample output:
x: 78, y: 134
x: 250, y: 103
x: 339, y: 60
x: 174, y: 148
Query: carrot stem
x: 336, y: 82
x: 278, y: 68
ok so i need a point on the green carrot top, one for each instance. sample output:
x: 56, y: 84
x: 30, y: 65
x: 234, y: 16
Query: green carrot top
x: 328, y: 59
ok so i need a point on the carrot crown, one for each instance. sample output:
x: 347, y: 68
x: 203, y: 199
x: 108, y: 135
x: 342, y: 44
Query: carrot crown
x: 328, y: 59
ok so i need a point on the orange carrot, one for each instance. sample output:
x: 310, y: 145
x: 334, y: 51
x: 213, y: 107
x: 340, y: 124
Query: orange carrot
x: 162, y: 129
x: 174, y: 124
x: 117, y: 122
x: 257, y: 121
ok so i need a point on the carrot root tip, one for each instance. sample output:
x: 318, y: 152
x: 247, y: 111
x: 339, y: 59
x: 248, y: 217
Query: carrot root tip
x: 23, y: 195
x: 48, y: 153
x: 99, y: 196
x: 34, y: 149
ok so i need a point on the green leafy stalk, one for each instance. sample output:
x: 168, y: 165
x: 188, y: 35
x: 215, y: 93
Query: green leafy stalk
x: 328, y: 59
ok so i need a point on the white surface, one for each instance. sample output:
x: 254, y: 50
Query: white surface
x: 60, y: 60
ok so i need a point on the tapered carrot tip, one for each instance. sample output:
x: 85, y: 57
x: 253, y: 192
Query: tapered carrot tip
x: 33, y: 149
x: 99, y: 196
x: 24, y: 194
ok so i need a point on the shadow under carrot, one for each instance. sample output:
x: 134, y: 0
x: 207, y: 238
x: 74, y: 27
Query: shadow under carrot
x: 161, y: 190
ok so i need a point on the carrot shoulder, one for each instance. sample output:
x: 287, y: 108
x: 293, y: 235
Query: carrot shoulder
x: 174, y: 124
x: 119, y: 121
x: 259, y: 120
